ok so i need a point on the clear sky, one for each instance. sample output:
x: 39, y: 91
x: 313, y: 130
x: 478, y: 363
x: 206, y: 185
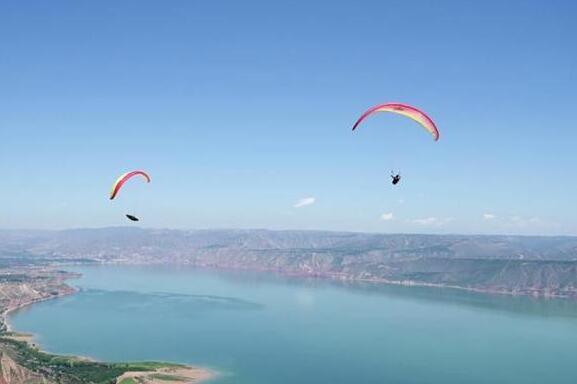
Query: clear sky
x: 241, y: 110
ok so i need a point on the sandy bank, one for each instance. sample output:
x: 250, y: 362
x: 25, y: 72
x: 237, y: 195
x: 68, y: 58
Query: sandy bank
x: 167, y: 375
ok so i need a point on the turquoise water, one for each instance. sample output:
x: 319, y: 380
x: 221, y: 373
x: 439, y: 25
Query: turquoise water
x: 261, y: 329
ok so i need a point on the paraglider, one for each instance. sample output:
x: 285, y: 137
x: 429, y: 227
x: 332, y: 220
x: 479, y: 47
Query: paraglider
x: 123, y: 179
x: 120, y: 182
x: 405, y: 110
x: 133, y: 218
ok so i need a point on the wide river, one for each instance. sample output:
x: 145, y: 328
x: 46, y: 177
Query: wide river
x: 263, y: 329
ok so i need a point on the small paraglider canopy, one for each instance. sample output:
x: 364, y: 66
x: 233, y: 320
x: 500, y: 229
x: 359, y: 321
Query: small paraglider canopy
x: 405, y: 110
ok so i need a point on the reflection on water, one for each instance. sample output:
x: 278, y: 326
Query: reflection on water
x: 518, y: 305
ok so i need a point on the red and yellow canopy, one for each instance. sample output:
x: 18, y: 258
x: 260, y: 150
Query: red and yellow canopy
x: 123, y: 179
x: 405, y: 110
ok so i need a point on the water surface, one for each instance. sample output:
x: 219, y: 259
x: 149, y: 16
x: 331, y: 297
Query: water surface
x: 263, y: 329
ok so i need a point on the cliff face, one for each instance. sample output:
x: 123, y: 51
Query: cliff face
x: 13, y: 373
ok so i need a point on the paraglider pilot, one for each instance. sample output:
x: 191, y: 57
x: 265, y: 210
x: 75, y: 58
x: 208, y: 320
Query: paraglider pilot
x: 396, y: 177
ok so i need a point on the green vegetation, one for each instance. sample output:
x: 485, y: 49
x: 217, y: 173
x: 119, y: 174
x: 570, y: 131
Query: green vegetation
x: 128, y: 380
x: 68, y: 370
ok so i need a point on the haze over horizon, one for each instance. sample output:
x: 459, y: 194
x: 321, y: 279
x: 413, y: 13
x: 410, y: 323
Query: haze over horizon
x: 144, y: 230
x: 242, y: 113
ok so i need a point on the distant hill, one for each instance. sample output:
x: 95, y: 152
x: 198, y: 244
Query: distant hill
x: 544, y: 266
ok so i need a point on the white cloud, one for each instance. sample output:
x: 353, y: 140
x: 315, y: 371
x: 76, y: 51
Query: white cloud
x: 387, y: 216
x: 525, y: 221
x: 433, y: 221
x: 527, y: 224
x: 513, y: 221
x: 426, y: 221
x: 304, y: 202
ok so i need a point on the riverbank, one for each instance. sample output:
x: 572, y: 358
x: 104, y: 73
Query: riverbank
x: 23, y: 362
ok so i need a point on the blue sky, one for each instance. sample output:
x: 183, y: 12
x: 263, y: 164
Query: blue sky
x: 241, y: 109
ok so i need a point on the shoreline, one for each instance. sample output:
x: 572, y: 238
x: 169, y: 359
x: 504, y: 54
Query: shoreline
x: 10, y: 309
x: 145, y: 372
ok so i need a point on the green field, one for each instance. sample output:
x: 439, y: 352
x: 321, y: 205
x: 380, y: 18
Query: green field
x: 128, y: 381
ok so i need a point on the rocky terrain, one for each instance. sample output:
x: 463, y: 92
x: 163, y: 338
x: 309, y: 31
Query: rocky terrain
x: 13, y: 373
x: 540, y: 266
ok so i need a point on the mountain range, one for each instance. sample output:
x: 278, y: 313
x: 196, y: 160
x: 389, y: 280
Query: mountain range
x: 534, y: 265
